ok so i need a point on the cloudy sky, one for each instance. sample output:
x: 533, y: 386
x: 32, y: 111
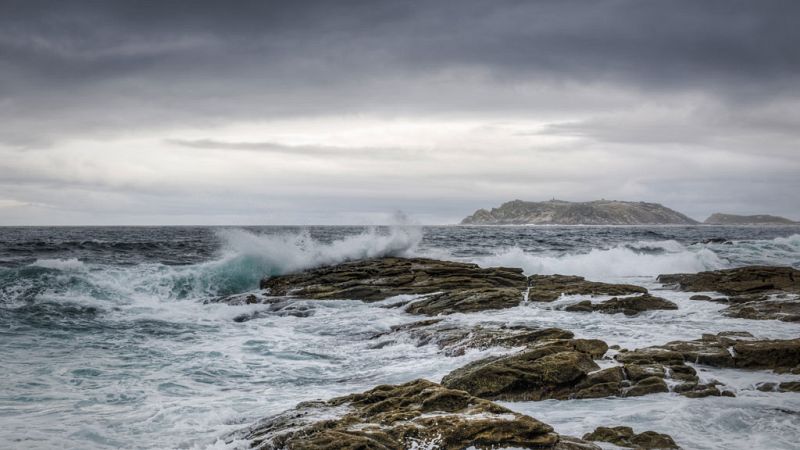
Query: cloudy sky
x: 293, y: 112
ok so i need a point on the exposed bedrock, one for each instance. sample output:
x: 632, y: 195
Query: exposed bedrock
x: 625, y: 437
x: 630, y: 306
x: 566, y: 369
x: 446, y: 287
x: 548, y: 288
x: 411, y: 415
x: 727, y: 349
x: 454, y: 339
x: 753, y: 292
x: 381, y: 278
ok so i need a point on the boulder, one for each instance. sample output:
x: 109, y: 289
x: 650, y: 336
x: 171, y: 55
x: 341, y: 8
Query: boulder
x: 547, y: 288
x: 625, y: 437
x: 630, y: 306
x: 548, y: 371
x: 396, y: 417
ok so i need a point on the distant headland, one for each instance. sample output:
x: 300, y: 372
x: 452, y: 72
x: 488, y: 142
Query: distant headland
x: 760, y: 219
x: 559, y: 212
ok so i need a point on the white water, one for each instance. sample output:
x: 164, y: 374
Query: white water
x: 159, y: 369
x: 617, y: 262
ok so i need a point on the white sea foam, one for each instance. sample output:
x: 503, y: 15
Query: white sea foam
x: 639, y: 259
x: 64, y: 265
x: 294, y: 251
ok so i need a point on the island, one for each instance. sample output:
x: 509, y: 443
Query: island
x: 559, y: 212
x: 760, y: 219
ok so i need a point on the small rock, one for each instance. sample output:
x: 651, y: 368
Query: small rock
x: 547, y: 288
x: 625, y: 437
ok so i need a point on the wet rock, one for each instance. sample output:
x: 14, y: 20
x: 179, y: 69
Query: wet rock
x: 776, y: 309
x: 548, y: 288
x: 276, y: 306
x: 630, y: 306
x: 564, y: 369
x: 466, y: 300
x: 454, y: 339
x: 625, y: 437
x: 737, y: 282
x: 547, y: 371
x: 726, y: 349
x: 755, y: 292
x: 377, y: 279
x: 649, y: 385
x: 714, y: 241
x: 787, y: 386
x: 415, y: 414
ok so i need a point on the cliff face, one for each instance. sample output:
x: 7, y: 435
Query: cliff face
x: 761, y: 219
x: 598, y: 212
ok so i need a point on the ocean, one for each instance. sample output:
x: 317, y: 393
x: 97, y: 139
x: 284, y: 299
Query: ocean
x: 110, y: 336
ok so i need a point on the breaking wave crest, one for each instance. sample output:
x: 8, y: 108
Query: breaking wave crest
x: 244, y: 258
x: 649, y: 258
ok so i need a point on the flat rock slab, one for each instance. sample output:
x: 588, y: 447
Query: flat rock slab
x: 377, y: 279
x: 417, y: 414
x: 727, y: 349
x: 737, y: 282
x: 786, y: 310
x: 630, y: 306
x: 548, y: 288
x: 565, y: 369
x: 754, y: 292
x: 625, y: 437
x: 550, y: 369
x: 448, y: 287
x: 454, y: 339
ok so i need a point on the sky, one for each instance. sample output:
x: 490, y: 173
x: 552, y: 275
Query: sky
x: 298, y: 112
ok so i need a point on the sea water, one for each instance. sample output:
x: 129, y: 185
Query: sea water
x: 108, y: 338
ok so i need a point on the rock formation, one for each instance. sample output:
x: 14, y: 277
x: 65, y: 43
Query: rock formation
x: 447, y: 287
x: 598, y: 212
x: 625, y: 437
x: 565, y: 369
x: 630, y: 306
x: 454, y: 339
x: 415, y: 414
x: 761, y: 219
x: 754, y: 292
x: 547, y: 288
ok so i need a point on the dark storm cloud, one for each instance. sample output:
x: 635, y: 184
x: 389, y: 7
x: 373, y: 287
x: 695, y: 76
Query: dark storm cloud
x: 67, y: 64
x: 441, y: 107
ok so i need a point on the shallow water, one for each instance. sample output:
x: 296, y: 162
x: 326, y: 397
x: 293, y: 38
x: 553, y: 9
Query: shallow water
x: 105, y: 341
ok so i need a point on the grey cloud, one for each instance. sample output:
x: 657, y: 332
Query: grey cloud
x: 296, y: 150
x: 724, y: 76
x: 179, y: 62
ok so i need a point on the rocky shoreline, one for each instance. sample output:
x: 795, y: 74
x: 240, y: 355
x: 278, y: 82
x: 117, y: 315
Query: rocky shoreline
x: 536, y: 363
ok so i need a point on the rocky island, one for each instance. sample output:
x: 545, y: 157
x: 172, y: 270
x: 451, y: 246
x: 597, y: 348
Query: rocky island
x: 760, y: 219
x: 559, y: 212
